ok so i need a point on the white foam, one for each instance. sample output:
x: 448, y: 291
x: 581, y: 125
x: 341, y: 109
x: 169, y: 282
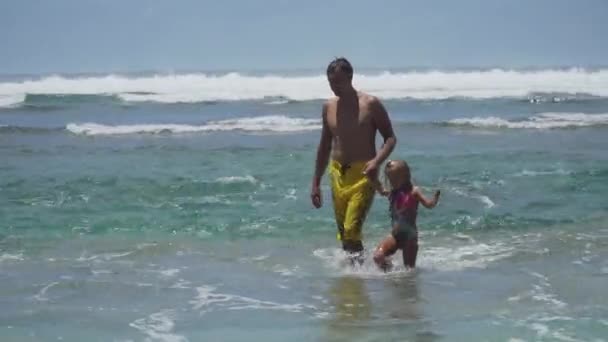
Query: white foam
x: 208, y: 300
x: 98, y: 272
x: 539, y: 121
x: 214, y: 200
x: 466, y: 219
x: 198, y: 87
x: 139, y: 284
x: 277, y: 102
x: 285, y: 271
x: 540, y: 276
x: 340, y: 264
x: 262, y: 226
x: 181, y: 284
x: 8, y: 256
x: 541, y: 329
x: 559, y: 335
x: 487, y: 202
x: 273, y: 123
x: 532, y: 173
x: 169, y: 273
x: 92, y: 128
x: 291, y: 194
x: 159, y: 326
x: 104, y: 256
x: 462, y: 257
x: 541, y: 292
x: 41, y: 296
x: 11, y: 100
x: 555, y: 318
x: 547, y: 298
x: 544, y: 332
x: 236, y: 179
x: 256, y: 258
x: 462, y: 236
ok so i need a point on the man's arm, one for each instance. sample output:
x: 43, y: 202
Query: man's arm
x: 385, y: 127
x: 379, y: 187
x: 323, y: 151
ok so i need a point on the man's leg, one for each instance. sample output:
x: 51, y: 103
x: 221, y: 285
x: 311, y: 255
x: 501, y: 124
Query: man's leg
x: 339, y: 205
x: 356, y: 212
x: 352, y: 246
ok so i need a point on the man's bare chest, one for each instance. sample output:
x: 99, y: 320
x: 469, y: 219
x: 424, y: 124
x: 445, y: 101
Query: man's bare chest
x: 349, y: 120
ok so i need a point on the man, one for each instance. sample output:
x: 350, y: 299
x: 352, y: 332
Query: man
x: 350, y: 122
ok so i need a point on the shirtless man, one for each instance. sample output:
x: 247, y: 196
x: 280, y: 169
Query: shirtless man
x: 350, y: 122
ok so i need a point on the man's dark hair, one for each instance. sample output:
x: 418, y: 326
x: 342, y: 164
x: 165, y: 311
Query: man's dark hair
x: 340, y: 64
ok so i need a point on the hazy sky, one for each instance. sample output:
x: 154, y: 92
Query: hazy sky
x: 131, y: 35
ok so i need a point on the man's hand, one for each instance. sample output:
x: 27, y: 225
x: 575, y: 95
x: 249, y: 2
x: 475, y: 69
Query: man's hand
x: 315, y: 197
x: 371, y: 169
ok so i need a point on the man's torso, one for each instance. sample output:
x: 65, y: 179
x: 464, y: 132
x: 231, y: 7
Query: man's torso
x: 353, y: 130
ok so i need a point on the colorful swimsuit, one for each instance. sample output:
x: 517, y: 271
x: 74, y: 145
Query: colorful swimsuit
x: 403, y: 210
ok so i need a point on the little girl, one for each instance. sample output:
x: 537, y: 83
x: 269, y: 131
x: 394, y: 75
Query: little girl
x: 404, y: 198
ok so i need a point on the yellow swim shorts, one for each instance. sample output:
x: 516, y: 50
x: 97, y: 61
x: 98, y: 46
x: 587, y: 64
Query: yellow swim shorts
x: 353, y: 194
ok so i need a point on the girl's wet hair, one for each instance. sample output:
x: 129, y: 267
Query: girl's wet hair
x: 407, y: 187
x: 406, y: 169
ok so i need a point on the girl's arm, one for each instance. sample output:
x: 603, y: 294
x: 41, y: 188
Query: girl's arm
x: 426, y: 202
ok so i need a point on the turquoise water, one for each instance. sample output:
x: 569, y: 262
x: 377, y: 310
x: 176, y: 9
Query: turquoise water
x: 169, y: 221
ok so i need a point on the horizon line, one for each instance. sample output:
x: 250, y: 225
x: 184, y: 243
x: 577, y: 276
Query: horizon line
x: 320, y: 69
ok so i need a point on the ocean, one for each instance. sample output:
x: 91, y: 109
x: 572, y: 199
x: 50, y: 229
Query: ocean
x: 175, y: 207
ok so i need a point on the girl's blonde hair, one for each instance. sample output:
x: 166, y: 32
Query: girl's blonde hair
x: 407, y: 175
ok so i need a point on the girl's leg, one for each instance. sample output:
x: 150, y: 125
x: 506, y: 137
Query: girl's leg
x: 387, y: 247
x: 410, y: 252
